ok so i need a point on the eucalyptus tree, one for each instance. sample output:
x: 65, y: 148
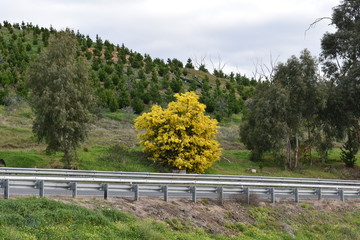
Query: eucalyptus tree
x: 284, y: 110
x: 264, y: 126
x: 341, y: 58
x: 298, y: 76
x: 61, y: 97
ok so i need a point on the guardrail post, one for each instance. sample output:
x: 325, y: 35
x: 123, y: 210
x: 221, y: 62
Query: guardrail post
x: 40, y: 185
x: 193, y: 191
x: 342, y: 195
x: 220, y: 191
x: 6, y: 185
x: 165, y: 189
x: 247, y: 193
x: 136, y: 192
x: 73, y: 187
x: 296, y: 193
x: 105, y: 188
x: 319, y: 193
x: 273, y: 197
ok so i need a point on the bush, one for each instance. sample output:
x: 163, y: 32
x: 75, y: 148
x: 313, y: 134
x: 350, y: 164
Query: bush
x: 181, y: 135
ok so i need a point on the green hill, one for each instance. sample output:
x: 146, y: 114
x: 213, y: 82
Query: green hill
x: 120, y: 76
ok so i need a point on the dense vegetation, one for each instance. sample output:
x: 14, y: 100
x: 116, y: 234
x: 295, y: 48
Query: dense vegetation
x: 121, y: 77
x: 296, y: 109
x: 294, y: 114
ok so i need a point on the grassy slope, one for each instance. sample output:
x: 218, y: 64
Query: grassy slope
x: 34, y: 218
x: 19, y: 148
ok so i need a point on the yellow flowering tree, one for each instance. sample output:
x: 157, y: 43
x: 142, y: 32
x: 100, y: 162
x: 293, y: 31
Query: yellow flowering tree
x: 181, y: 135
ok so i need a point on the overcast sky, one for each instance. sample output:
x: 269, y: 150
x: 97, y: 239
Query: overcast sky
x: 237, y: 33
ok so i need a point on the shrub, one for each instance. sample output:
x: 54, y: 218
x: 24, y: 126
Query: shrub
x: 181, y: 135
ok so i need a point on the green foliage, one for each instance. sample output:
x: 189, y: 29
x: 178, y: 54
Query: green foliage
x: 113, y: 103
x: 350, y: 148
x: 283, y: 107
x: 124, y: 99
x: 61, y: 97
x: 189, y: 64
x: 138, y: 105
x: 176, y: 85
x: 19, y: 45
x: 264, y: 127
x: 181, y: 135
x: 340, y: 55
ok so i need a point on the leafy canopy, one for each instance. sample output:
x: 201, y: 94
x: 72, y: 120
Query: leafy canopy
x: 61, y: 96
x: 341, y: 57
x: 181, y: 136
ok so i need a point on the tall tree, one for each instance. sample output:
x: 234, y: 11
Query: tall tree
x: 264, y: 127
x: 298, y: 76
x: 61, y: 97
x: 282, y: 108
x: 341, y: 57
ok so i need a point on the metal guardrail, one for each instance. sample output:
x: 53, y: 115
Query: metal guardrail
x: 42, y: 188
x: 170, y: 178
x: 20, y: 181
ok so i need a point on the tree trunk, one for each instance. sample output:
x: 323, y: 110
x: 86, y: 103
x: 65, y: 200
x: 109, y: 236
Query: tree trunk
x: 296, y: 152
x: 288, y: 149
x: 67, y: 159
x: 310, y: 145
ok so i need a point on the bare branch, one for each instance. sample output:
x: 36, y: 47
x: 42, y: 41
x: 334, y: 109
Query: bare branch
x: 220, y: 64
x: 313, y: 24
x: 197, y: 62
x: 263, y: 71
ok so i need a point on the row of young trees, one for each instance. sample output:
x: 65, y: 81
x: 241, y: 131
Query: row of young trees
x: 121, y: 77
x: 298, y: 110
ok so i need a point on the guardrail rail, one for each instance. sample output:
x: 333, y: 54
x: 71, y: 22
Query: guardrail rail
x: 42, y: 182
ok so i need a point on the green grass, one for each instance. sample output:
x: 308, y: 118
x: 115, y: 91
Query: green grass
x: 306, y: 223
x: 233, y: 119
x: 115, y: 158
x: 232, y: 162
x: 41, y: 218
x: 120, y: 116
x: 236, y: 162
x: 34, y: 218
x: 24, y: 159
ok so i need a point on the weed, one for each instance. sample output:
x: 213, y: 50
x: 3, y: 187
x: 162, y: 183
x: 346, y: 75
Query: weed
x: 305, y: 206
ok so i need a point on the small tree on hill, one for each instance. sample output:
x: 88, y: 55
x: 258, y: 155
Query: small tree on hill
x: 181, y: 136
x: 61, y: 97
x: 349, y: 149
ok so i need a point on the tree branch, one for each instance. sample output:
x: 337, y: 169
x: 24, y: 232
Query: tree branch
x: 312, y: 25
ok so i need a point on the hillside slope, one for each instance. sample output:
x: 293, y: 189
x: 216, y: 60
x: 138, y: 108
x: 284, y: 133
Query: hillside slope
x: 89, y: 218
x: 121, y: 77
